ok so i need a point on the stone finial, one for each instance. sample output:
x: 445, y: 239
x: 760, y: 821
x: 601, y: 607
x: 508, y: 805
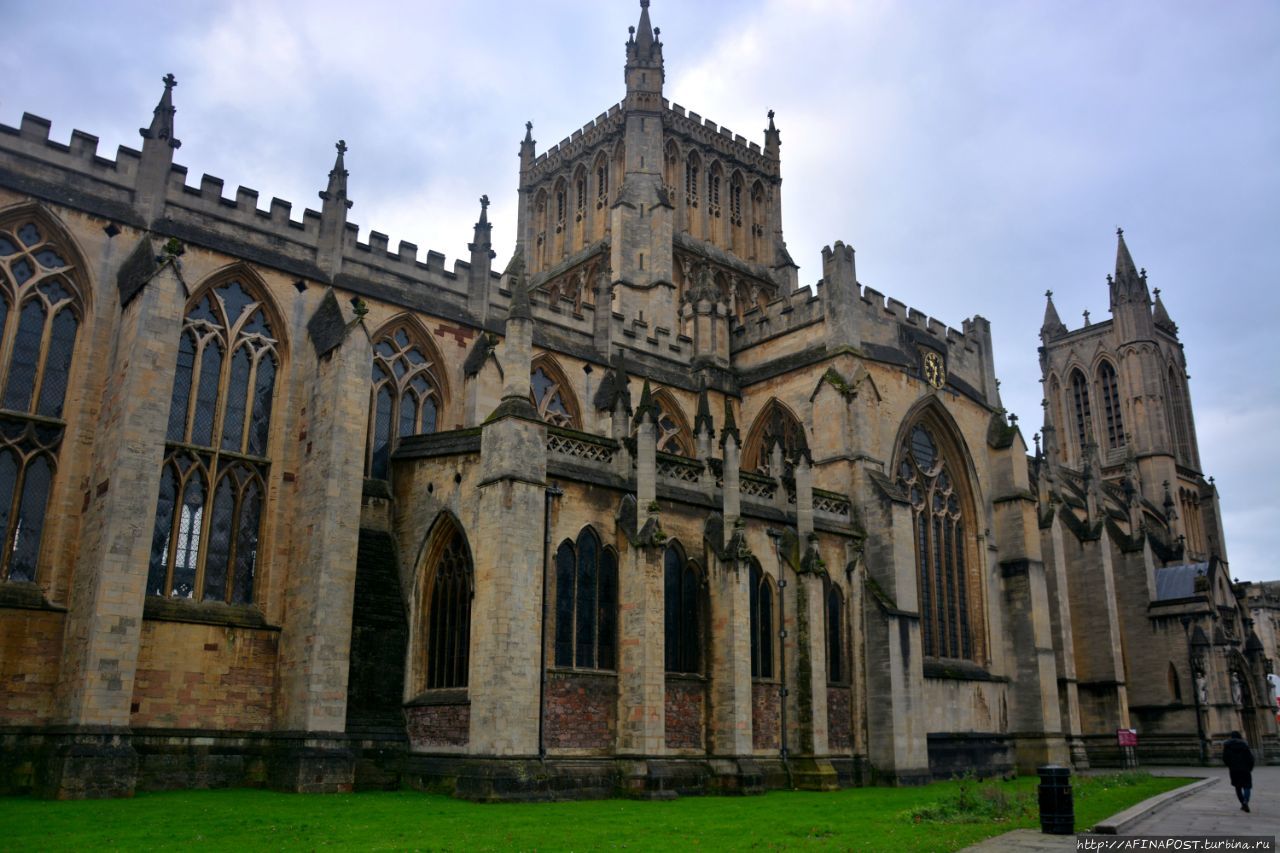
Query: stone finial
x: 336, y: 191
x: 1086, y: 316
x: 730, y: 427
x: 772, y: 138
x: 482, y: 242
x: 519, y: 309
x: 702, y: 420
x: 162, y: 119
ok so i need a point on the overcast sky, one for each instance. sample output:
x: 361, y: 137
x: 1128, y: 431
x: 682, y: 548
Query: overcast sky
x: 974, y: 153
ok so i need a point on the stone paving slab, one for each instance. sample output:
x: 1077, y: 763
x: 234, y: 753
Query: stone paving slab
x: 1210, y: 810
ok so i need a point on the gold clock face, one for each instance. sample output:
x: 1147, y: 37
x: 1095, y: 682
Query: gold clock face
x: 934, y: 372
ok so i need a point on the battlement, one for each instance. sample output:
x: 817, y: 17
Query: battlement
x: 719, y: 139
x: 577, y: 143
x: 786, y: 313
x: 203, y: 214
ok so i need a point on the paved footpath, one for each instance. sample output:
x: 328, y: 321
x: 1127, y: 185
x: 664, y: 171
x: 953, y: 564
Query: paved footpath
x: 1212, y: 810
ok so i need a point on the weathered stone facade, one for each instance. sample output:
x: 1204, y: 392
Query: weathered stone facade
x: 638, y: 515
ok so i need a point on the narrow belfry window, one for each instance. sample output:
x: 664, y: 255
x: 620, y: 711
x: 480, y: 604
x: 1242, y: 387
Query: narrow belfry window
x: 836, y: 657
x: 735, y: 204
x: 602, y: 186
x: 1181, y: 428
x: 40, y: 311
x: 580, y: 199
x: 561, y: 204
x: 713, y: 192
x: 1111, y: 405
x: 213, y: 484
x: 691, y: 181
x: 586, y: 623
x: 1080, y: 394
x: 682, y: 592
x: 449, y: 616
x: 548, y: 399
x: 940, y: 529
x: 405, y: 398
x: 761, y: 623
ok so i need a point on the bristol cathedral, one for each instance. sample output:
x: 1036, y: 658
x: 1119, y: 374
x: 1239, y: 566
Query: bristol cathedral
x: 634, y: 512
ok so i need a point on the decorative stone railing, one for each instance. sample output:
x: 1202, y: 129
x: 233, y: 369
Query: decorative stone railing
x: 679, y: 468
x: 832, y: 503
x: 757, y: 485
x: 580, y: 445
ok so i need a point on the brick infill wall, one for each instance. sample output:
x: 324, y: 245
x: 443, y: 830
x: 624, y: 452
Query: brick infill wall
x: 686, y: 698
x: 766, y: 711
x: 582, y: 710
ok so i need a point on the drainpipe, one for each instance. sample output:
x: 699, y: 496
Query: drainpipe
x: 553, y: 491
x: 783, y: 753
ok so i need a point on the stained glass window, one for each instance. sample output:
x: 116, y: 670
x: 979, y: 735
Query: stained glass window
x: 449, y: 615
x: 941, y: 544
x: 682, y: 599
x: 405, y: 398
x: 40, y: 314
x: 209, y: 515
x: 1084, y: 415
x: 762, y: 635
x: 586, y: 603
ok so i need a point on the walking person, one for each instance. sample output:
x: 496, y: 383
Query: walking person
x: 1238, y: 757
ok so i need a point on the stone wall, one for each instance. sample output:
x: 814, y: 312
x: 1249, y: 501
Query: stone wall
x: 839, y: 720
x: 766, y: 710
x: 204, y: 677
x: 685, y: 711
x: 581, y: 711
x: 30, y: 653
x: 434, y: 726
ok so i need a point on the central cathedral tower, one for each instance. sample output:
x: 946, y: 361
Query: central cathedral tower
x: 666, y: 218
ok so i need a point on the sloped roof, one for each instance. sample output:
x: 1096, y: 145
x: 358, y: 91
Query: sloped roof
x: 1178, y: 581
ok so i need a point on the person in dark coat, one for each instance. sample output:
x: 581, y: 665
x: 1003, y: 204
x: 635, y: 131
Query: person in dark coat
x: 1238, y: 757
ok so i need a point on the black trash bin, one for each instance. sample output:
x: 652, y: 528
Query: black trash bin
x: 1057, y: 808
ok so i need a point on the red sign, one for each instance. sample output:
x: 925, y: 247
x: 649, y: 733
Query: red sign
x: 1127, y: 737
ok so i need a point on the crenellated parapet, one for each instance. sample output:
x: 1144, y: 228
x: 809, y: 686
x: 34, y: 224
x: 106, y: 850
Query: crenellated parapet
x: 75, y: 174
x: 721, y: 141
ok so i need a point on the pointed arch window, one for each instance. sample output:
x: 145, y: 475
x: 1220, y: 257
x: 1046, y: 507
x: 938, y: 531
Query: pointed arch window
x: 837, y: 657
x: 757, y: 221
x: 40, y: 315
x: 949, y: 601
x: 713, y: 191
x: 406, y: 397
x: 549, y: 398
x: 762, y: 633
x: 205, y: 541
x: 775, y: 426
x: 586, y: 626
x: 691, y: 181
x: 673, y: 435
x: 682, y: 599
x: 602, y: 183
x: 1111, y: 404
x: 1084, y: 415
x: 562, y: 204
x: 1178, y: 416
x: 448, y: 628
x: 580, y: 195
x: 735, y: 201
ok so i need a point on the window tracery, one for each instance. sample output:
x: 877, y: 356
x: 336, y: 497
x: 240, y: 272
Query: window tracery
x: 406, y: 398
x: 775, y: 426
x: 213, y: 483
x: 40, y: 313
x: 682, y: 600
x: 586, y: 604
x: 691, y: 181
x: 1084, y: 415
x: 939, y: 515
x: 1111, y: 405
x: 448, y: 632
x: 713, y: 191
x: 762, y: 633
x: 549, y: 398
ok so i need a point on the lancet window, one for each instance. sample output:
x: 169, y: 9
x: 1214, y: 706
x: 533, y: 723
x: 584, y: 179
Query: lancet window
x: 673, y: 435
x: 713, y: 191
x: 837, y: 658
x: 1111, y: 404
x: 405, y: 398
x: 735, y: 202
x: 940, y: 515
x: 762, y: 632
x: 602, y: 185
x: 1080, y: 396
x: 448, y: 634
x: 40, y: 314
x: 775, y: 426
x: 213, y: 483
x: 682, y: 598
x: 1178, y: 417
x: 691, y: 181
x: 586, y: 626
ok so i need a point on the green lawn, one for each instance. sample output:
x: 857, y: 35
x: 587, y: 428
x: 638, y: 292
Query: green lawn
x: 942, y: 816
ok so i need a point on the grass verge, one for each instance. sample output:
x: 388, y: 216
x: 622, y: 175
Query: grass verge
x: 942, y: 816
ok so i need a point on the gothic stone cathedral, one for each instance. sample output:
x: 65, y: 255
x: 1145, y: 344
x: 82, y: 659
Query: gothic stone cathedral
x: 638, y: 515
